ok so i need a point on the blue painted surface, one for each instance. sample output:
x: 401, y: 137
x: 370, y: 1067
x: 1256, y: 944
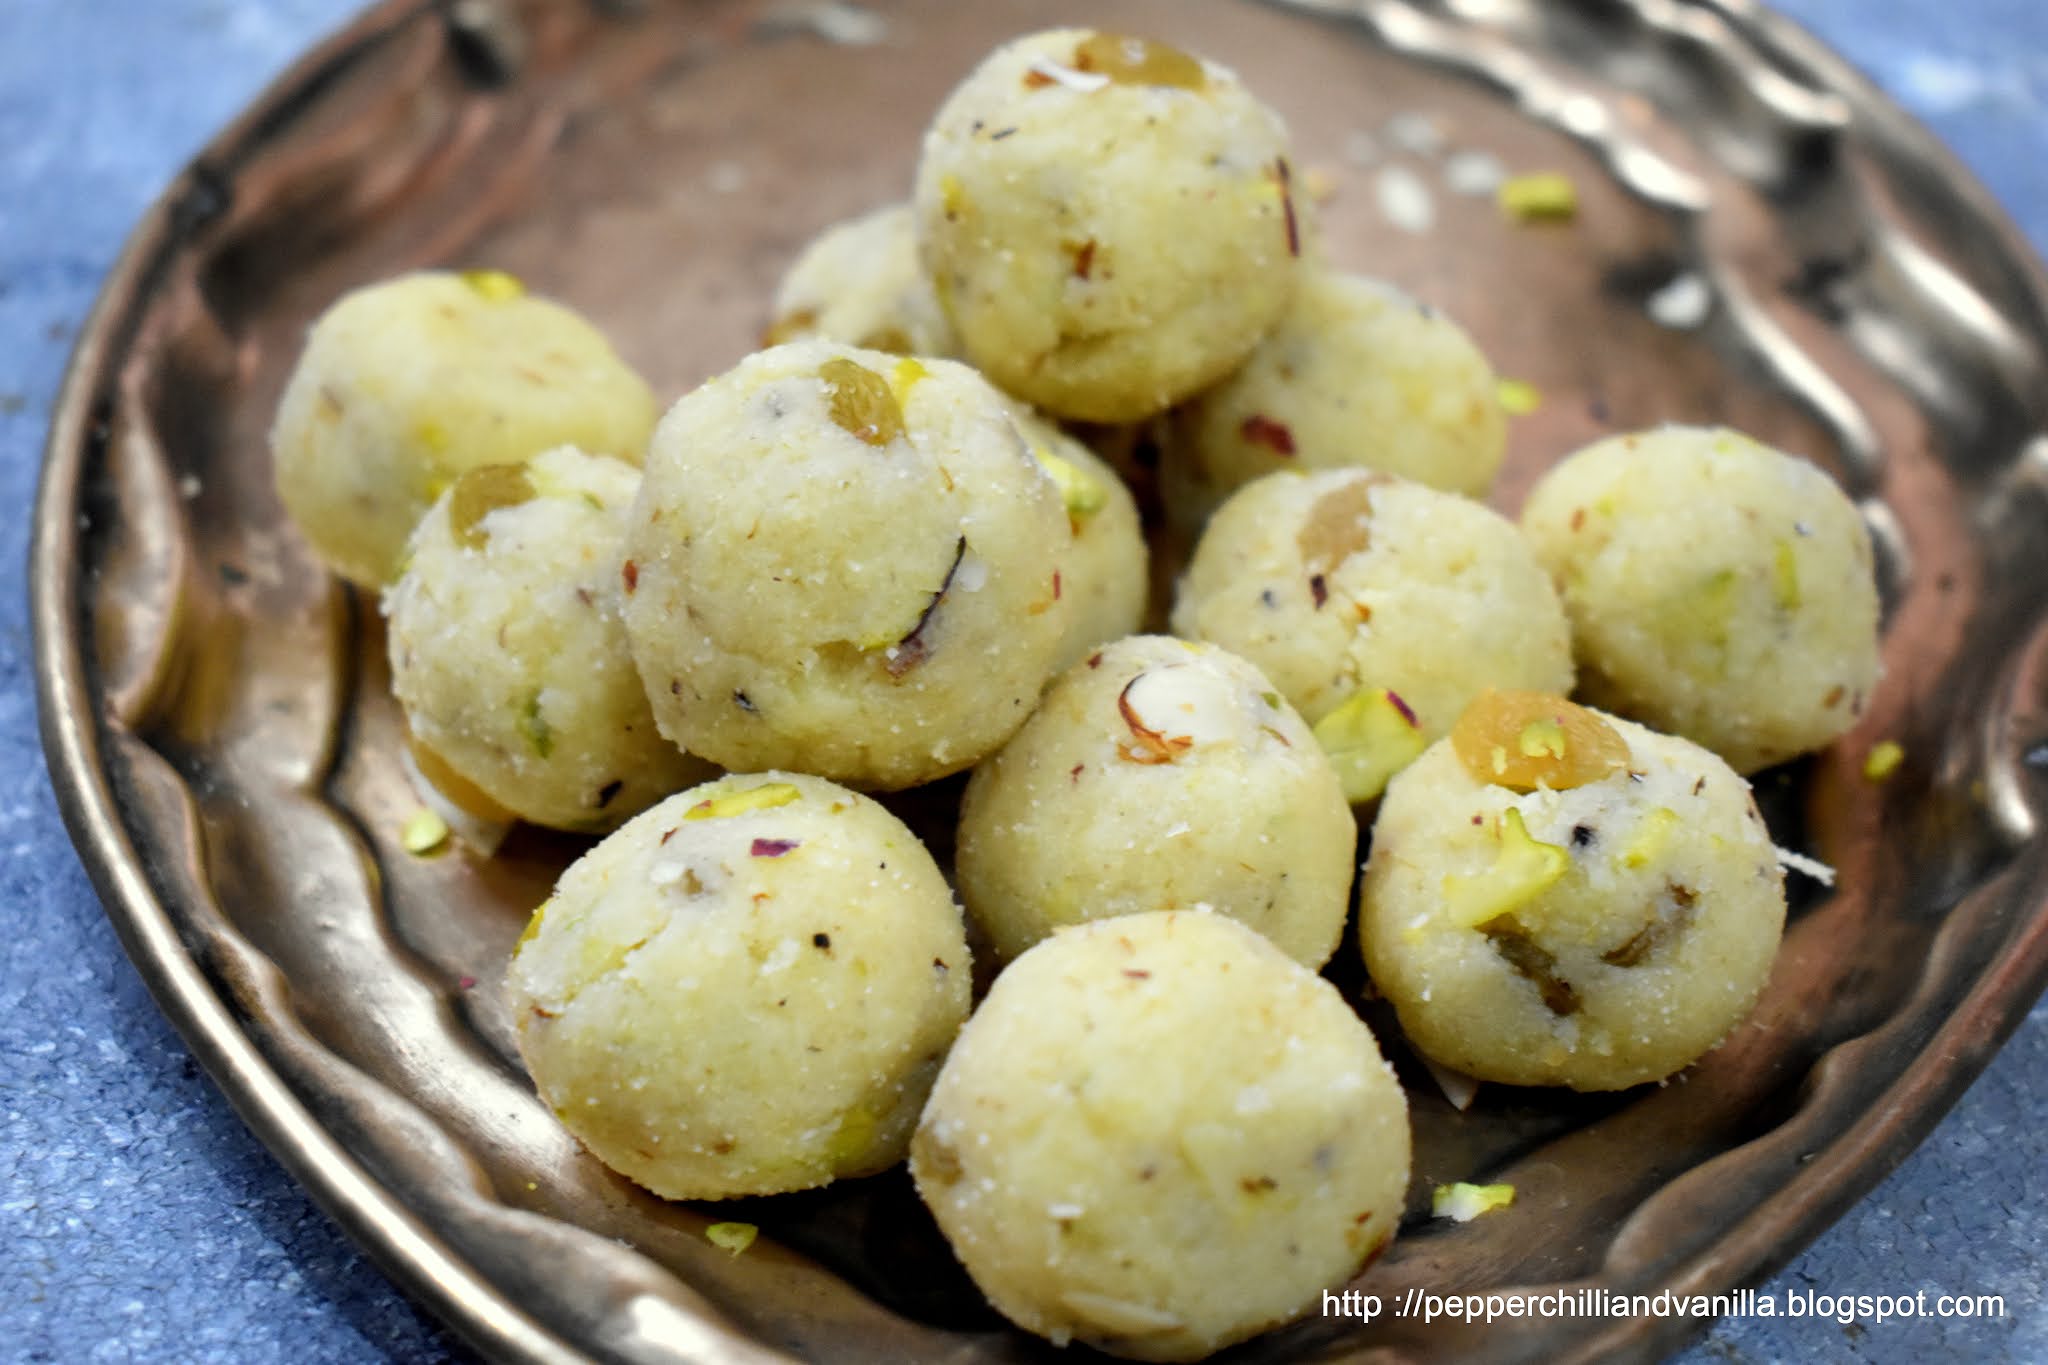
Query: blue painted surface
x: 139, y: 1220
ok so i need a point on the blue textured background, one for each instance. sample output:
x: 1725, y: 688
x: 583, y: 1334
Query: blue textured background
x: 139, y: 1220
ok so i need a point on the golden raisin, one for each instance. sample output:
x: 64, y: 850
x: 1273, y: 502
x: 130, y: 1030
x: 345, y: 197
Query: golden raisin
x: 1139, y: 61
x: 1526, y: 740
x: 480, y: 492
x: 861, y: 401
x: 1338, y: 525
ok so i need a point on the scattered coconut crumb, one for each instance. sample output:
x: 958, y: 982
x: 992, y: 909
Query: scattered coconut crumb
x: 732, y: 1237
x: 1883, y: 760
x: 1474, y: 173
x: 1462, y: 1202
x: 189, y: 487
x: 1518, y: 397
x: 1405, y: 201
x: 1540, y: 197
x: 424, y: 832
x: 1812, y: 867
x: 1320, y: 183
x: 1682, y: 304
x: 1415, y: 133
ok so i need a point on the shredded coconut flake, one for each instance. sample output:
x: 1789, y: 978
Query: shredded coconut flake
x: 1458, y: 1088
x: 1812, y: 867
x: 833, y: 20
x: 1084, y: 81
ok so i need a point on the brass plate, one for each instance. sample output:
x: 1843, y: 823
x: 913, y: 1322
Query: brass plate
x: 224, y: 747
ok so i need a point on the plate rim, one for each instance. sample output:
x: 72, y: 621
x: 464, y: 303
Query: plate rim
x: 410, y: 1254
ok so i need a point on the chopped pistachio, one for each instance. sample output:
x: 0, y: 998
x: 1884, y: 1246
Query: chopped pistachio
x: 732, y: 1237
x: 1139, y: 61
x: 1543, y: 196
x: 532, y: 930
x: 1369, y: 738
x: 954, y: 200
x: 903, y: 377
x: 1650, y: 837
x: 1524, y: 869
x: 1525, y: 740
x: 482, y: 491
x: 861, y: 402
x: 1883, y: 760
x: 1518, y: 398
x: 1083, y: 496
x: 424, y: 832
x: 767, y: 796
x: 1272, y: 699
x: 534, y: 727
x: 1462, y: 1203
x: 1786, y: 576
x: 495, y: 285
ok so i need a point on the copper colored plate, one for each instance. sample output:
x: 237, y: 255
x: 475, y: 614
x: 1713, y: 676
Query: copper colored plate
x: 221, y: 736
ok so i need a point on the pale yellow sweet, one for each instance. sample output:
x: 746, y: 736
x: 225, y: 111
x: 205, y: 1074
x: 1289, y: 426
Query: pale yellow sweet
x: 1160, y: 1135
x: 1107, y: 572
x: 1109, y: 223
x: 1340, y: 582
x: 846, y: 563
x: 860, y: 282
x: 1597, y: 937
x: 746, y: 990
x: 1158, y: 775
x: 508, y: 648
x: 1718, y: 589
x: 1356, y: 374
x: 403, y: 385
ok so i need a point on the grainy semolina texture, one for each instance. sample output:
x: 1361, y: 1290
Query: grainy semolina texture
x: 860, y: 282
x: 1357, y: 374
x: 1110, y: 223
x: 1597, y: 937
x: 1718, y: 589
x: 1160, y: 1135
x: 405, y: 384
x: 1159, y: 775
x: 1344, y: 583
x: 746, y: 990
x: 847, y: 563
x: 508, y: 646
x: 1106, y: 573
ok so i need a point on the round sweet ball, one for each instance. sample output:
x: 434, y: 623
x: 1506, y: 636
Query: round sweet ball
x: 1107, y: 572
x: 1559, y: 897
x: 508, y: 647
x: 1379, y: 608
x: 1159, y: 775
x: 1160, y: 1135
x: 846, y: 563
x: 746, y: 990
x: 1718, y: 589
x: 860, y: 282
x: 1109, y: 221
x: 403, y: 385
x: 1357, y: 374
